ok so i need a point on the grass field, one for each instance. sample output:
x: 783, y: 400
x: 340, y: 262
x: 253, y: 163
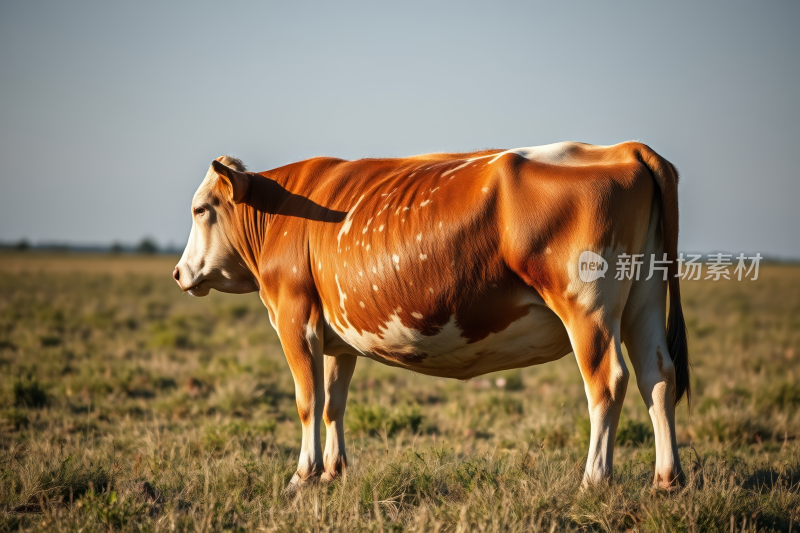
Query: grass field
x: 126, y: 405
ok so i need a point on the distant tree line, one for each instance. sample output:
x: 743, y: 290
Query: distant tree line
x: 146, y: 246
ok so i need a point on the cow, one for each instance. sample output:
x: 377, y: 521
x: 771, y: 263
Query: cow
x: 456, y: 265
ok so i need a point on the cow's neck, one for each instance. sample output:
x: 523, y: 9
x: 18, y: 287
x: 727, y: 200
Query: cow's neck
x: 254, y: 215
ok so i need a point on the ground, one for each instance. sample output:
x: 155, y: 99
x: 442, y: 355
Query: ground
x: 127, y: 405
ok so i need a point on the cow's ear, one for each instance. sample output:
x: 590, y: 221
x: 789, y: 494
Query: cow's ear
x: 233, y: 183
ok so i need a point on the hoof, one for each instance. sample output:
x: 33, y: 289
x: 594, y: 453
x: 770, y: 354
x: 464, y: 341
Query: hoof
x: 297, y: 483
x: 670, y: 482
x: 327, y: 477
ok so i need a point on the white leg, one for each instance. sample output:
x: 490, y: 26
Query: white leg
x: 599, y: 355
x: 655, y: 375
x: 338, y: 371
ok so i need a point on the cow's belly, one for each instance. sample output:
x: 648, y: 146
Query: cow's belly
x: 535, y: 338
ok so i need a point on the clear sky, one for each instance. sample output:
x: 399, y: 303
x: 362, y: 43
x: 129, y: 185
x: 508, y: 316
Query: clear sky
x: 111, y: 112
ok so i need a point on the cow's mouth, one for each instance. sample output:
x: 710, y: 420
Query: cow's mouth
x: 197, y: 289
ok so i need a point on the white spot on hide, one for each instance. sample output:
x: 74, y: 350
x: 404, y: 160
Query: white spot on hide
x: 458, y: 167
x: 342, y: 296
x: 348, y: 221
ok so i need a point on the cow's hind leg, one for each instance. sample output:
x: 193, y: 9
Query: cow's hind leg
x: 597, y: 349
x: 338, y: 371
x: 645, y: 337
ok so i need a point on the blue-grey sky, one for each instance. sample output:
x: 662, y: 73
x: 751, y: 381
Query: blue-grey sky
x: 111, y: 112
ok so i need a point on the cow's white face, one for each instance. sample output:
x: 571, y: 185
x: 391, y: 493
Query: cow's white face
x: 210, y: 260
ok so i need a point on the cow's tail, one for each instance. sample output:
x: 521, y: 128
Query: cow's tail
x: 666, y: 176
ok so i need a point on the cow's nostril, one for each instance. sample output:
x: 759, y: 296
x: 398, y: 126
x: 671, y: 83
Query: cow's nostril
x: 176, y: 274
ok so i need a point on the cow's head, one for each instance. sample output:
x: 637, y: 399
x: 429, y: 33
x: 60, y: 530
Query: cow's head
x: 211, y: 259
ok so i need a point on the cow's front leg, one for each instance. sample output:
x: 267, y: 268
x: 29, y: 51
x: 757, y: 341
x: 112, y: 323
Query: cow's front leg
x: 338, y: 371
x: 301, y: 338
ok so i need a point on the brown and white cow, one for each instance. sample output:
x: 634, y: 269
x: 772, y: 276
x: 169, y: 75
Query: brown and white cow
x: 454, y: 265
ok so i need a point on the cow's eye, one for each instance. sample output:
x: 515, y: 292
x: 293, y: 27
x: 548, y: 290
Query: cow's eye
x: 199, y: 210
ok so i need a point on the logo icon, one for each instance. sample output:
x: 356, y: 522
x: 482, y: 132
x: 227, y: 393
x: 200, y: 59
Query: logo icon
x: 591, y: 266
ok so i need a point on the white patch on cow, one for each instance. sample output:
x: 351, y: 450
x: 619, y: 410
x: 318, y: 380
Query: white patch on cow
x: 368, y: 247
x: 348, y: 221
x: 374, y: 271
x: 360, y: 273
x: 374, y: 287
x: 457, y: 168
x: 416, y: 314
x: 557, y: 153
x: 319, y: 265
x: 396, y: 258
x: 422, y: 257
x: 548, y: 251
x: 485, y: 190
x: 311, y: 332
x: 440, y: 225
x: 430, y: 290
x: 362, y: 305
x: 426, y: 202
x: 434, y: 190
x: 345, y: 264
x: 342, y: 295
x: 602, y: 295
x: 294, y: 268
x: 381, y: 228
x: 535, y: 338
x: 419, y: 237
x: 293, y: 321
x: 284, y: 233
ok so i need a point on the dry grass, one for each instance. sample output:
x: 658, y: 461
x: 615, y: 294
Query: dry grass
x: 128, y: 406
